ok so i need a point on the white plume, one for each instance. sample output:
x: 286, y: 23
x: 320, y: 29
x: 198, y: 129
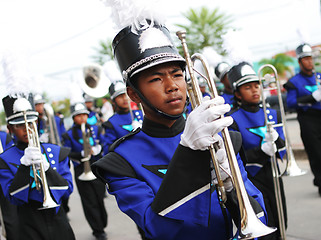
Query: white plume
x: 76, y: 93
x: 212, y: 57
x: 235, y: 46
x: 16, y: 73
x: 303, y: 35
x: 112, y: 71
x: 134, y: 12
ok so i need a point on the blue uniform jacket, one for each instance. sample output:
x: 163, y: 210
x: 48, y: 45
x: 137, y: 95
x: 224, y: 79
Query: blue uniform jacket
x: 299, y: 92
x: 73, y: 139
x: 17, y: 180
x: 6, y: 140
x: 229, y: 98
x: 119, y: 125
x: 165, y: 187
x: 251, y: 125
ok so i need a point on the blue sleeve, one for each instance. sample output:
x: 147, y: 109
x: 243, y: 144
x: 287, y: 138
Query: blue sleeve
x: 134, y: 198
x: 110, y: 137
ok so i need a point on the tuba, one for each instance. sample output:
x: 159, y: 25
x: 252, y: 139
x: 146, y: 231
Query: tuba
x: 250, y: 226
x: 40, y: 180
x: 87, y: 175
x: 94, y: 82
x: 51, y: 126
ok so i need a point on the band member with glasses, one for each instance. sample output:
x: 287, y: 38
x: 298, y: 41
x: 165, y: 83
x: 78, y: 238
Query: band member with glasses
x: 18, y: 180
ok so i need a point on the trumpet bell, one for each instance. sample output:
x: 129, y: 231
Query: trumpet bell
x: 87, y: 176
x: 49, y: 203
x: 293, y: 169
x: 94, y: 82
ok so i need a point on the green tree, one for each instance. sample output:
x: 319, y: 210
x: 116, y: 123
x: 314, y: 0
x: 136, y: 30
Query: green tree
x: 281, y: 62
x: 104, y: 52
x: 205, y: 29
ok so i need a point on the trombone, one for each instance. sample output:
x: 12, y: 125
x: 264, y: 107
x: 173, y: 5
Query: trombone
x: 291, y: 168
x: 51, y: 126
x: 250, y: 226
x: 41, y: 181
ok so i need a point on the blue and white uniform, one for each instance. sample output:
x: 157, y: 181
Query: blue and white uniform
x: 18, y: 185
x: 250, y: 122
x: 119, y: 125
x: 165, y: 187
x: 299, y: 96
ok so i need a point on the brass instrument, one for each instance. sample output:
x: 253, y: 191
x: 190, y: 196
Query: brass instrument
x: 291, y: 168
x: 270, y: 125
x: 87, y: 175
x: 95, y: 83
x: 40, y: 180
x: 250, y: 226
x: 51, y: 126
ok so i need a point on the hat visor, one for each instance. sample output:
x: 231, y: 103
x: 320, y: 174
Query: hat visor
x: 158, y: 61
x: 247, y: 80
x: 84, y: 111
x: 20, y: 120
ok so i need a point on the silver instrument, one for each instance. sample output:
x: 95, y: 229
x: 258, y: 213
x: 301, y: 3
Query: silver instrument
x: 250, y: 226
x: 40, y: 180
x: 51, y: 126
x: 292, y: 168
x: 87, y: 175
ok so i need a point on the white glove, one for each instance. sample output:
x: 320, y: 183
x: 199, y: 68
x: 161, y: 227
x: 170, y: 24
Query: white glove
x: 268, y: 146
x: 44, y: 137
x: 203, y: 123
x: 32, y: 156
x: 136, y: 124
x: 96, y: 149
x: 223, y: 162
x: 317, y: 94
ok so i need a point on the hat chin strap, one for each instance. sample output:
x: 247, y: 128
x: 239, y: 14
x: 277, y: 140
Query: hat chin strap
x: 168, y: 116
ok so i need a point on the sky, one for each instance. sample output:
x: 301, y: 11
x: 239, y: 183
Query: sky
x: 58, y: 37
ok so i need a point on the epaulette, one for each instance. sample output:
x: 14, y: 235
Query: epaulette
x: 121, y: 139
x: 289, y: 85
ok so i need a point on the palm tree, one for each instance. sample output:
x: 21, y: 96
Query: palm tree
x: 281, y: 62
x: 104, y: 52
x: 205, y: 29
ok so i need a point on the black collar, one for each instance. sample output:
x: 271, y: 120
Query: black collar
x: 158, y: 130
x: 251, y: 108
x: 22, y: 145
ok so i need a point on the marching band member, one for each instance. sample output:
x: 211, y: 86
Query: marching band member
x: 8, y: 210
x: 304, y: 95
x: 92, y: 192
x: 93, y: 116
x: 124, y: 119
x: 221, y: 71
x: 17, y: 178
x: 160, y: 174
x: 249, y: 120
x: 39, y: 102
x: 34, y: 176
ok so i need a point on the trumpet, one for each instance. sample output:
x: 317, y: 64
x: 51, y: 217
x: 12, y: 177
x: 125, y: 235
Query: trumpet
x: 250, y: 226
x: 87, y: 175
x: 40, y: 180
x: 291, y: 168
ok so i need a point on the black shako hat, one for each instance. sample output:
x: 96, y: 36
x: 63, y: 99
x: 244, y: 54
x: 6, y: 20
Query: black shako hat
x: 242, y: 73
x: 303, y: 50
x: 15, y: 107
x: 137, y: 50
x: 221, y: 70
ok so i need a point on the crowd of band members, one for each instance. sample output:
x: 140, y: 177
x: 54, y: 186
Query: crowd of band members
x: 119, y: 119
